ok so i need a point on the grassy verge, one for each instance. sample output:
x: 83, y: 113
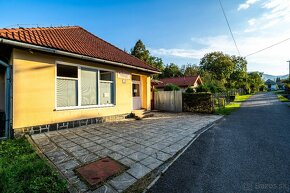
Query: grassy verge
x: 232, y: 106
x: 281, y: 95
x: 282, y: 98
x: 22, y: 170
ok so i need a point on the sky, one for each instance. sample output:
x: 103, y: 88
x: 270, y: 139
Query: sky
x: 178, y: 31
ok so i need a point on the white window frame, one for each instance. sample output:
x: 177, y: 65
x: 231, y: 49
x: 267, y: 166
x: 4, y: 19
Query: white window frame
x: 79, y: 106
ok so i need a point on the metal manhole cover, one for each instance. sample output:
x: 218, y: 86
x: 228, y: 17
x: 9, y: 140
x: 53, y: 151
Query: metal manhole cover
x: 98, y: 172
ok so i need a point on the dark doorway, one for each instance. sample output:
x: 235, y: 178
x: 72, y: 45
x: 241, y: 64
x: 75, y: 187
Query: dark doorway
x: 2, y: 101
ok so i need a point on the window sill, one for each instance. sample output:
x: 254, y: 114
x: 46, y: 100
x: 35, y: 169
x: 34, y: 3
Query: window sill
x: 83, y: 107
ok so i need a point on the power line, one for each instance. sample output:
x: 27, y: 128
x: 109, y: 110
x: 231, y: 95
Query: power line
x: 268, y: 47
x: 229, y: 27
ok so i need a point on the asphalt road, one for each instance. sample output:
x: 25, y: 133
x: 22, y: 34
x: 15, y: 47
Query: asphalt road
x: 248, y: 151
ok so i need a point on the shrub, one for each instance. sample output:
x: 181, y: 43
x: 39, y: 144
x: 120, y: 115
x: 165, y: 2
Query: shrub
x: 232, y: 98
x: 171, y: 87
x: 197, y: 102
x: 189, y: 90
x: 287, y: 88
x: 207, y: 88
x: 203, y: 88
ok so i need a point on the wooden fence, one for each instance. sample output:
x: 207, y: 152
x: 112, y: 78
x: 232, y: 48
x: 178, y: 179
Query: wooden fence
x: 168, y: 101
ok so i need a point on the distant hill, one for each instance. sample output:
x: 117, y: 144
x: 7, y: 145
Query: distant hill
x: 272, y: 77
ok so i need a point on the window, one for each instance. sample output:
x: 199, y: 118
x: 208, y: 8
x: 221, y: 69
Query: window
x: 67, y: 86
x: 136, y: 90
x: 106, y: 87
x: 92, y: 87
x: 89, y: 87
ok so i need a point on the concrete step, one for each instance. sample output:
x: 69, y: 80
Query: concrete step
x: 142, y: 113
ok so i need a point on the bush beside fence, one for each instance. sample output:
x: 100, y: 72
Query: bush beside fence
x: 197, y: 102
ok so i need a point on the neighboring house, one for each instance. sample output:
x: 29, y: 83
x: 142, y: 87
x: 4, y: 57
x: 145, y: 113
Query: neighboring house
x: 182, y: 82
x: 63, y: 74
x: 271, y: 85
x: 281, y: 85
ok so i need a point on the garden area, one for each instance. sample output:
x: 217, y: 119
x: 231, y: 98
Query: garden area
x: 23, y: 171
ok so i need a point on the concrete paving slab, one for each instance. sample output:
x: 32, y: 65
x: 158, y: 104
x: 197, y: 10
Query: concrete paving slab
x: 142, y: 146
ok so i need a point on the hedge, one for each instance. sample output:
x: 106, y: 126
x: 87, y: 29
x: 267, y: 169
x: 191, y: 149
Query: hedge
x: 197, y: 102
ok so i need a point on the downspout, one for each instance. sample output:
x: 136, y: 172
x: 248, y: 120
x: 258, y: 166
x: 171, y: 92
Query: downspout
x: 8, y: 82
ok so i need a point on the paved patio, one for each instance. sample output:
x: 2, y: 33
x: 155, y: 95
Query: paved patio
x: 141, y: 145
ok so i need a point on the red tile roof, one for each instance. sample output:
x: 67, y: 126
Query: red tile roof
x: 179, y: 81
x: 73, y: 39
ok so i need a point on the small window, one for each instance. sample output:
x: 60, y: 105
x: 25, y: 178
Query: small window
x: 105, y: 75
x: 107, y: 94
x: 136, y: 90
x: 67, y: 86
x: 67, y: 71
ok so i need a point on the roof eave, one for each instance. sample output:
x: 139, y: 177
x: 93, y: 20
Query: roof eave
x: 69, y: 54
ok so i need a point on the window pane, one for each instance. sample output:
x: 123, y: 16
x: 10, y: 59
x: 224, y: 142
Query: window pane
x: 136, y: 90
x: 106, y: 93
x: 89, y: 87
x: 135, y: 77
x: 106, y: 75
x: 66, y: 93
x: 67, y: 71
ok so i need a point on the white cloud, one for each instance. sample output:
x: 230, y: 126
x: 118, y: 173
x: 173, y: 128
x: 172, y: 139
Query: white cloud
x: 247, y: 4
x: 252, y: 22
x: 276, y: 14
x: 210, y: 44
x: 272, y: 61
x: 270, y: 26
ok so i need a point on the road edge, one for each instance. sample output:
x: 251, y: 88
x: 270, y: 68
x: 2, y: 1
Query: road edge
x: 199, y: 133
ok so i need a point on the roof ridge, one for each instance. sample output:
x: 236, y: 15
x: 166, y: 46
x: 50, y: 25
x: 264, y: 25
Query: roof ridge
x: 41, y: 28
x: 180, y: 77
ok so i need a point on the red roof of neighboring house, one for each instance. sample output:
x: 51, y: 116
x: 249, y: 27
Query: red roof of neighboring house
x: 73, y: 39
x: 179, y: 81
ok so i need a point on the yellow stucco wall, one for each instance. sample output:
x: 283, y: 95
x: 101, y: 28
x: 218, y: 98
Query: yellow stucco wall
x: 34, y: 90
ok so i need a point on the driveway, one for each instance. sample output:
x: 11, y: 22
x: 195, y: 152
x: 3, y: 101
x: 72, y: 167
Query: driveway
x: 249, y: 151
x: 140, y: 145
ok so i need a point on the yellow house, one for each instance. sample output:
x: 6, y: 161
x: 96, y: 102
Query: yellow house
x: 63, y: 77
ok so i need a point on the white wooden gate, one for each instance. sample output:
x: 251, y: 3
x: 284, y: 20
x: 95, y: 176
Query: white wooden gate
x: 168, y: 101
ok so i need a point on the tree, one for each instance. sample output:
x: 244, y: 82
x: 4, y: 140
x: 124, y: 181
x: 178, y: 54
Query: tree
x: 140, y: 51
x: 255, y: 81
x: 171, y: 70
x: 190, y: 70
x: 220, y: 65
x: 239, y: 76
x: 156, y: 62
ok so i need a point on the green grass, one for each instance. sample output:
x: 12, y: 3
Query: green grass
x: 282, y: 98
x: 228, y: 109
x: 281, y: 95
x: 22, y: 170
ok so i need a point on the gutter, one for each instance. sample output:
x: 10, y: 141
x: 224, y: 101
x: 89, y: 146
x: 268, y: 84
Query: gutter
x: 69, y: 54
x: 8, y: 86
